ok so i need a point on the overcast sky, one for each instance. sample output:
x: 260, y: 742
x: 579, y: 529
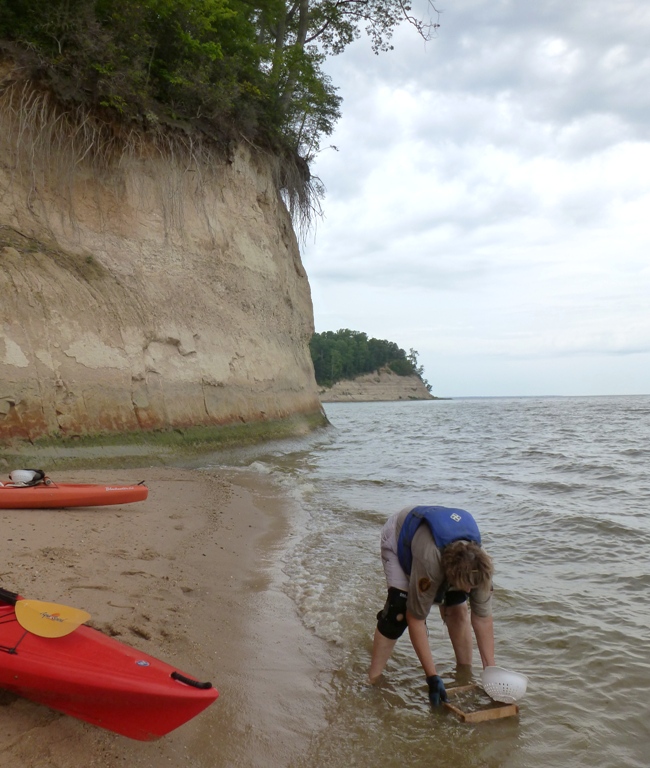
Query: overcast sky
x: 489, y: 202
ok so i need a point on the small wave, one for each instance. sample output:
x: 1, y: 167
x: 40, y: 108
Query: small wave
x: 614, y: 533
x: 600, y: 471
x: 261, y: 468
x: 355, y: 482
x: 636, y: 452
x: 552, y: 486
x: 537, y: 452
x: 634, y: 583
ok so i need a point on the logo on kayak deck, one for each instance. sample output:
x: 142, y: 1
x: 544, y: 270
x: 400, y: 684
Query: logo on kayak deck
x: 52, y: 616
x: 456, y: 517
x: 142, y: 663
x: 119, y: 488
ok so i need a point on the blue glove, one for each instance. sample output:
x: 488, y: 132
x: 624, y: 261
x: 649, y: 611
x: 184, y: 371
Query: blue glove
x: 437, y: 692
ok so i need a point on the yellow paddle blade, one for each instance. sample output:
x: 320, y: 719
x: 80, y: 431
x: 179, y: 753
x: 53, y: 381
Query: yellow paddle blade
x: 48, y: 619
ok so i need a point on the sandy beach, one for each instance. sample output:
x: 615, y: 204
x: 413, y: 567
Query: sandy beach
x: 191, y: 575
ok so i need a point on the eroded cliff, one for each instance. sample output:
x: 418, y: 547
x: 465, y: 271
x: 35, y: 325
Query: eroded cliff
x: 144, y: 284
x: 382, y: 385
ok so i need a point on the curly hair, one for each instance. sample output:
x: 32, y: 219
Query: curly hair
x: 467, y: 563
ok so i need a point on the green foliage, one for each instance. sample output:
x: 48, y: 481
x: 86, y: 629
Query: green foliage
x: 224, y: 67
x: 345, y: 354
x: 190, y: 60
x: 402, y: 367
x: 313, y: 108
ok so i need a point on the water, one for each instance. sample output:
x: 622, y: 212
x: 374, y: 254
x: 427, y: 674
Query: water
x: 560, y: 489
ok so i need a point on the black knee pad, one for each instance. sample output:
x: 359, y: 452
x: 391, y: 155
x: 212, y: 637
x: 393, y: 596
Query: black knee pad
x: 391, y: 620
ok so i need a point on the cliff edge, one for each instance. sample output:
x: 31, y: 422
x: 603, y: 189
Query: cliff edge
x: 382, y: 385
x: 145, y: 284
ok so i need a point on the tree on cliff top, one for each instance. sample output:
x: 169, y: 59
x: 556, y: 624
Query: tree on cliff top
x: 226, y: 68
x: 302, y: 33
x: 345, y: 354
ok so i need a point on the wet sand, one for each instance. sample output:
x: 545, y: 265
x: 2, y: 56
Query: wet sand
x: 191, y: 575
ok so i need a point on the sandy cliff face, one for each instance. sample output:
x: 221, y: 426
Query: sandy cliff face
x: 142, y: 286
x: 384, y: 385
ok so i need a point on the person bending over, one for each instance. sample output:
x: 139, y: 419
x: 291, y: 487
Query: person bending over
x: 434, y: 555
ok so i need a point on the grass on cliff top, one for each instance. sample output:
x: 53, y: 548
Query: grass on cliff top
x: 157, y: 448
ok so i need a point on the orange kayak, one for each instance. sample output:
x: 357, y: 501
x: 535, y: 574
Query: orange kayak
x: 51, y: 495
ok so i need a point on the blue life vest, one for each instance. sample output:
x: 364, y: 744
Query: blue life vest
x: 446, y: 525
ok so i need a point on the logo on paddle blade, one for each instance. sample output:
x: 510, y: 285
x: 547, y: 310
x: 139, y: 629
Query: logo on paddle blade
x: 52, y: 616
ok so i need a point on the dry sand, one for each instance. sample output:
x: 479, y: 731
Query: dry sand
x: 191, y: 575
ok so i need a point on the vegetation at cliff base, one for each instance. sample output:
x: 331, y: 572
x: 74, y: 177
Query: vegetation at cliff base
x: 225, y: 68
x: 345, y: 354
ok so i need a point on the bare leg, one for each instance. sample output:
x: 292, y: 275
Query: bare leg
x: 462, y: 675
x: 456, y: 617
x: 382, y: 647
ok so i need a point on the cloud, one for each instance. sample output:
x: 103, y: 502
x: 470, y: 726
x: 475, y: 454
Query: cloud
x: 488, y: 192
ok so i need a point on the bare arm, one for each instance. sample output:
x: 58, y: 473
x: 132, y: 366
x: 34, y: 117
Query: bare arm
x: 483, y: 627
x: 420, y: 642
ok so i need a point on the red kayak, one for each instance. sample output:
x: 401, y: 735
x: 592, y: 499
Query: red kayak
x: 94, y: 678
x: 51, y: 495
